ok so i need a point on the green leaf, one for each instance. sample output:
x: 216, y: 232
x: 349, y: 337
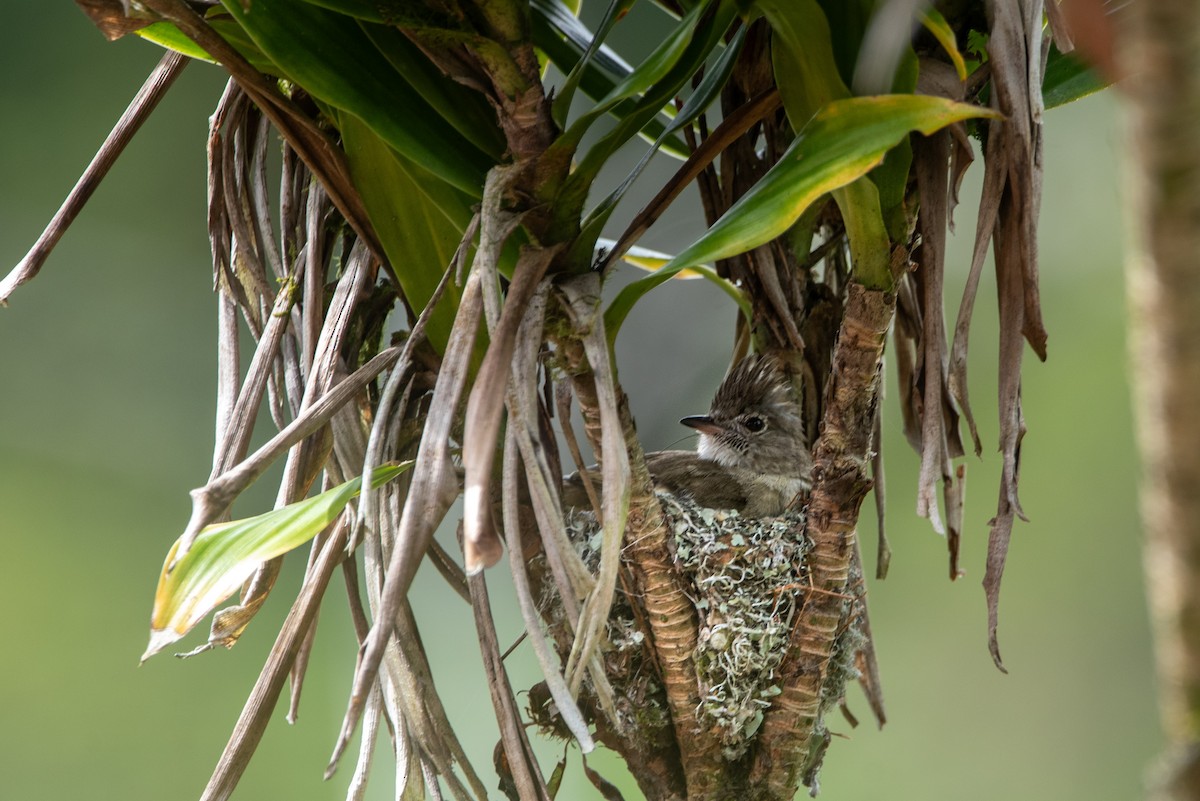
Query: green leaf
x: 466, y: 109
x: 936, y: 24
x: 706, y: 92
x: 805, y: 69
x: 708, y: 89
x: 848, y: 21
x: 566, y: 52
x: 328, y: 55
x: 656, y: 264
x: 235, y: 35
x: 418, y: 218
x: 1067, y: 79
x: 710, y: 85
x: 224, y: 555
x: 839, y: 145
x: 558, y: 17
x: 567, y: 23
x: 701, y: 41
x: 651, y: 71
x: 870, y: 247
x: 660, y: 61
x: 891, y: 177
x: 166, y: 35
x: 383, y: 11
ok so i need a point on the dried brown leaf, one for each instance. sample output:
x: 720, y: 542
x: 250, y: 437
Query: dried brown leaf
x: 607, y: 789
x: 883, y: 553
x: 1016, y: 54
x: 1058, y: 27
x: 763, y: 265
x: 432, y: 730
x: 582, y: 298
x: 317, y: 150
x: 562, y: 398
x: 906, y: 337
x: 555, y: 683
x: 449, y: 569
x: 542, y: 476
x: 995, y: 179
x: 404, y: 691
x: 255, y: 715
x: 485, y: 405
x: 522, y: 763
x: 382, y: 442
x: 260, y: 215
x: 214, y: 498
x: 307, y: 455
x: 481, y: 544
x: 300, y: 666
x: 229, y: 623
x: 939, y: 423
x: 941, y: 80
x: 1009, y: 280
x: 954, y: 491
x: 1012, y: 167
x: 247, y: 273
x: 998, y: 538
x: 962, y: 156
x: 235, y: 427
x: 434, y: 488
x: 137, y: 112
x: 366, y: 747
x: 865, y: 660
x: 220, y: 236
x: 114, y: 18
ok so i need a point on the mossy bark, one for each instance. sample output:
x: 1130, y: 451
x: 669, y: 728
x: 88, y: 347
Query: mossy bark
x: 840, y: 483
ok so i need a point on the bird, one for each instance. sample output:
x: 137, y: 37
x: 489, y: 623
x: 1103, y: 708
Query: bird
x: 751, y: 457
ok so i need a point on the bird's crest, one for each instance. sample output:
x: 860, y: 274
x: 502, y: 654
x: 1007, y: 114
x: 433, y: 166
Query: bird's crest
x: 754, y: 382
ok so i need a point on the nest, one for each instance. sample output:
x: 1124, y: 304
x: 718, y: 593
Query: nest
x: 746, y: 574
x: 747, y: 578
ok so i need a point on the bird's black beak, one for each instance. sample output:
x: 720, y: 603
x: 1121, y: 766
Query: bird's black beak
x: 702, y: 423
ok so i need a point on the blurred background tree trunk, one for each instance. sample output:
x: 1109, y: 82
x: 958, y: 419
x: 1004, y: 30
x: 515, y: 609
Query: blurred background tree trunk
x: 1159, y: 51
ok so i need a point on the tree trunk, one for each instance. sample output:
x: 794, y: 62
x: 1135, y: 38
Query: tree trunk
x: 1160, y: 54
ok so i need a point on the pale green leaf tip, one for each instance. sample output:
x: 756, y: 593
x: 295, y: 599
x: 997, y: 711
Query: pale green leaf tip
x: 159, y: 640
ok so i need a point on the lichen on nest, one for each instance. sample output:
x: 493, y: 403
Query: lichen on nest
x: 748, y: 575
x: 748, y: 578
x: 639, y: 699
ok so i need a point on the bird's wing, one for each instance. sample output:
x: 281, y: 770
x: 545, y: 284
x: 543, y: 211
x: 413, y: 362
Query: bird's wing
x: 679, y: 472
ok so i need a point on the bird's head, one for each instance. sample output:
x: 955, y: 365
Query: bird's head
x: 755, y: 422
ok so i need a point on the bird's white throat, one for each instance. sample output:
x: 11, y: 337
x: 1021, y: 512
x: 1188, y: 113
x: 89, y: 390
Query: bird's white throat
x: 709, y: 448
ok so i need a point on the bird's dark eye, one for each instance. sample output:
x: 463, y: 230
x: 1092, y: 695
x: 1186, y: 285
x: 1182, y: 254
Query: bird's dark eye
x: 754, y: 424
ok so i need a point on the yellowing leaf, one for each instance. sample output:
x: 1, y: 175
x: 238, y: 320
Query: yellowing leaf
x: 936, y: 24
x: 656, y: 263
x: 841, y: 143
x: 647, y: 259
x: 224, y: 555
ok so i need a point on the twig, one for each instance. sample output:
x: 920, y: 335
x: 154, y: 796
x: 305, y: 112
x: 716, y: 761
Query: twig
x: 143, y: 104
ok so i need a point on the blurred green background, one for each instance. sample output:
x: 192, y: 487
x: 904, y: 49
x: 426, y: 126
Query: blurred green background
x: 106, y: 402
